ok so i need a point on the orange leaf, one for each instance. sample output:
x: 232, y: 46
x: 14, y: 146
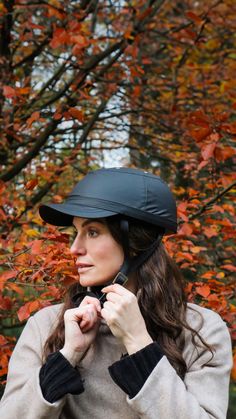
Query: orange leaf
x: 3, y: 371
x: 15, y: 288
x: 180, y: 256
x: 200, y: 134
x: 231, y: 268
x: 210, y: 232
x: 76, y: 113
x: 4, y: 360
x: 204, y: 290
x: 25, y: 311
x: 194, y: 17
x: 80, y: 41
x: 233, y: 372
x: 208, y: 275
x: 5, y: 276
x: 34, y: 117
x: 36, y: 247
x: 186, y: 229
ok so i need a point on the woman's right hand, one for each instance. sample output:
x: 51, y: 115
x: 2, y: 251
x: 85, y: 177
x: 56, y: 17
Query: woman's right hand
x: 81, y: 327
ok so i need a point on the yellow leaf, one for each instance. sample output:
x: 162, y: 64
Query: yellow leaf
x: 32, y: 233
x: 220, y: 275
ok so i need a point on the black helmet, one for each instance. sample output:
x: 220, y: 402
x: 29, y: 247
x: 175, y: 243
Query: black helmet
x: 105, y: 192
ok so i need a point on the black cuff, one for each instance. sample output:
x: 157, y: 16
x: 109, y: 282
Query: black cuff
x: 57, y: 377
x: 131, y: 372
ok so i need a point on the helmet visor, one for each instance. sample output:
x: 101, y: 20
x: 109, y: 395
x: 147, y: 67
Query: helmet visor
x: 62, y: 214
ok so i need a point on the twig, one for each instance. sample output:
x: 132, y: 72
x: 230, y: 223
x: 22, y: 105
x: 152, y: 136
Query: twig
x: 212, y: 201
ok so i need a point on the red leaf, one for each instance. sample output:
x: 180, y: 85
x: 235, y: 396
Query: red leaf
x: 9, y: 92
x: 224, y: 153
x: 207, y: 151
x: 194, y: 17
x: 6, y: 303
x: 231, y: 128
x: 31, y: 184
x: 200, y: 134
x: 3, y: 340
x: 137, y: 90
x: 60, y: 37
x: 2, y: 186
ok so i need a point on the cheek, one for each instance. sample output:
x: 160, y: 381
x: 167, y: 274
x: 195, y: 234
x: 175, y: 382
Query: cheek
x: 110, y: 251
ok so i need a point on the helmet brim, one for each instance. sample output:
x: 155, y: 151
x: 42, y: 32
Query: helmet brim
x: 63, y: 214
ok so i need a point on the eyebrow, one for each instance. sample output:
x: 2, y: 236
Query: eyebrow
x: 91, y: 220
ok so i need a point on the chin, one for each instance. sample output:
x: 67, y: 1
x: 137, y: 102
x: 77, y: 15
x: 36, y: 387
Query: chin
x: 90, y: 282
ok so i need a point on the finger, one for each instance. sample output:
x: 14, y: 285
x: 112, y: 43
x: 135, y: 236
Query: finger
x: 113, y: 297
x: 116, y: 288
x: 88, y: 320
x: 108, y: 310
x: 91, y: 300
x: 105, y: 315
x: 76, y: 314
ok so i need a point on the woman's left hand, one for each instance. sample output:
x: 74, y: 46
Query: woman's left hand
x: 123, y: 316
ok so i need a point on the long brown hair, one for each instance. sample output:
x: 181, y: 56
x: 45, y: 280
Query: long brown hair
x: 160, y: 295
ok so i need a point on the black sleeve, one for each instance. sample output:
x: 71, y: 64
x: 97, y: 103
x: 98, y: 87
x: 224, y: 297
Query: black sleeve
x: 131, y: 372
x: 58, y: 377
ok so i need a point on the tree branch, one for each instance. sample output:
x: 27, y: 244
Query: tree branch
x: 212, y: 201
x: 20, y: 164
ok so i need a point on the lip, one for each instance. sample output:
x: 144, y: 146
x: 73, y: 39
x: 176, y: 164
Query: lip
x: 82, y: 267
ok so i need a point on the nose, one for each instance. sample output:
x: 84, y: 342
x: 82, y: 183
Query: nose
x: 77, y: 247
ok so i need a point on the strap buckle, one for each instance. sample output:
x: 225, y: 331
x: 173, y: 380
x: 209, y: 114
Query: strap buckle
x: 120, y: 278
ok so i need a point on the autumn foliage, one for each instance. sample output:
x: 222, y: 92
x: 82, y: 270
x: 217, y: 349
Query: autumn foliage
x: 144, y: 83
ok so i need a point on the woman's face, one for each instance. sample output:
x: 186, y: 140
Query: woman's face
x: 99, y: 256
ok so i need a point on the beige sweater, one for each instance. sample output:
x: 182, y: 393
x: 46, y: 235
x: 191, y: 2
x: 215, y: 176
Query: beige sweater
x: 202, y: 395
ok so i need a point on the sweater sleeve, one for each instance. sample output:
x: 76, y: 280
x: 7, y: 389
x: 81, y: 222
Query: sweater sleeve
x: 23, y: 397
x: 131, y: 372
x: 204, y: 392
x: 57, y: 378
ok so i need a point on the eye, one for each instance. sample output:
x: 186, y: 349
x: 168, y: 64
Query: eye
x: 92, y: 232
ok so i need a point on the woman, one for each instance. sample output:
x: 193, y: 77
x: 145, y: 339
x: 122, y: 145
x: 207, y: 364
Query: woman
x: 125, y: 344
